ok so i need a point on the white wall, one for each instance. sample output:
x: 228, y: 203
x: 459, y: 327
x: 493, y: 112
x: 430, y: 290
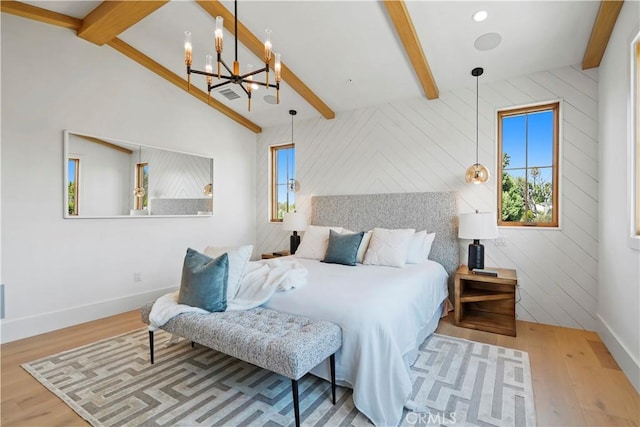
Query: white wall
x: 619, y: 292
x: 422, y: 145
x: 61, y: 272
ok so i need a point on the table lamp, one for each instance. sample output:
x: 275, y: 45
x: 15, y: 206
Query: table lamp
x: 294, y: 221
x: 476, y: 226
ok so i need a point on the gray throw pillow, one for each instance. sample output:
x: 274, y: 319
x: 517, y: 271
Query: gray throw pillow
x: 343, y: 248
x: 204, y: 281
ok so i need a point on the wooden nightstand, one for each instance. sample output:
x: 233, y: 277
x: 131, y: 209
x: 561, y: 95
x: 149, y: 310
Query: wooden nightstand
x: 486, y: 303
x: 275, y: 254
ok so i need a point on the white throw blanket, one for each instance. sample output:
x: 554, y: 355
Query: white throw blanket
x: 261, y: 280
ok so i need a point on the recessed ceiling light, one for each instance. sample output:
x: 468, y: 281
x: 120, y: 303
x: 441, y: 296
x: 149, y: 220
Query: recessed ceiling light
x: 480, y: 15
x: 488, y: 41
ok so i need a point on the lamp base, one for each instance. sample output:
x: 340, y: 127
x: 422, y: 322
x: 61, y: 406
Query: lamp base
x: 294, y: 242
x: 476, y: 255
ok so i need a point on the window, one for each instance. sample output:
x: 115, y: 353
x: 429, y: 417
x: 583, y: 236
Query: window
x: 528, y: 142
x: 142, y: 180
x: 73, y: 171
x: 283, y: 183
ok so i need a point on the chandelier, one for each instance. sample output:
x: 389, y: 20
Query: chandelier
x: 245, y: 81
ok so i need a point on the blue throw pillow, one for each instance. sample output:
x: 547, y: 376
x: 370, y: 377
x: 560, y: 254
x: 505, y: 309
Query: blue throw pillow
x: 343, y: 248
x: 204, y: 281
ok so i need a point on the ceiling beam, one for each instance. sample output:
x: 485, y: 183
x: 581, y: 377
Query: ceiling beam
x: 60, y: 20
x: 171, y: 77
x: 111, y: 18
x: 399, y: 15
x: 39, y: 14
x: 601, y: 32
x: 104, y: 143
x: 246, y: 37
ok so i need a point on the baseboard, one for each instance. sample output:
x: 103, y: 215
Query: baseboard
x: 25, y: 327
x: 620, y: 353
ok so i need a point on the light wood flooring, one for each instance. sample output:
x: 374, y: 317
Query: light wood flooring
x: 576, y: 382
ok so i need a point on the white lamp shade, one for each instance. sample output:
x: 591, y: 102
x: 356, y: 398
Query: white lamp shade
x: 294, y: 221
x: 477, y: 226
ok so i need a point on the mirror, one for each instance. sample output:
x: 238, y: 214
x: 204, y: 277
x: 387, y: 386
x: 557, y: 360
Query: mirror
x: 106, y: 178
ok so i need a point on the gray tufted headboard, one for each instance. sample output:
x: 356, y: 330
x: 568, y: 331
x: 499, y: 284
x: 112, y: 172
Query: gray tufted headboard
x: 434, y: 212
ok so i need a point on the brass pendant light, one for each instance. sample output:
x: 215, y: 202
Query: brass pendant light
x: 477, y: 173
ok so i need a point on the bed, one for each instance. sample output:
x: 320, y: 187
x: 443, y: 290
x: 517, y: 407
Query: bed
x: 385, y: 312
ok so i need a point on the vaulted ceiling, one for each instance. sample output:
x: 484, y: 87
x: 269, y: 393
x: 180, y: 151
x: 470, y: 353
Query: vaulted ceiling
x: 341, y: 55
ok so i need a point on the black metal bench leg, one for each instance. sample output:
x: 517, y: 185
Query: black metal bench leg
x: 332, y: 359
x: 151, y: 345
x: 296, y: 407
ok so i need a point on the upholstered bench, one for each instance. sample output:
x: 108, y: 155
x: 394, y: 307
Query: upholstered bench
x: 279, y: 342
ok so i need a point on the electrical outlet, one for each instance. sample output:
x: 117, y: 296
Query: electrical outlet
x: 500, y: 241
x: 137, y: 277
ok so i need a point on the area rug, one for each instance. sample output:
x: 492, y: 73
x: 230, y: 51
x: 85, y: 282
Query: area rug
x: 111, y: 383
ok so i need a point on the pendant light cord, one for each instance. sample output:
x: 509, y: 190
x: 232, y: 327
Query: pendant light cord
x: 477, y: 142
x: 235, y: 10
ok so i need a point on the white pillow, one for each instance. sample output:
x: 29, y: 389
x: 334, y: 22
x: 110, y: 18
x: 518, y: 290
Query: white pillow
x: 364, y: 244
x: 420, y: 247
x: 314, y: 242
x: 389, y: 247
x: 238, y: 258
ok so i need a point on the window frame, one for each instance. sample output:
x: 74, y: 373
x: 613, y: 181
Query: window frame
x: 273, y: 181
x: 553, y: 106
x: 76, y: 190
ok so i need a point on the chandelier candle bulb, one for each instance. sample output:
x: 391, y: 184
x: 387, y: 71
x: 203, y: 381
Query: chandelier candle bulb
x: 187, y: 48
x: 277, y: 68
x: 267, y: 45
x: 218, y: 33
x: 208, y: 67
x: 188, y: 52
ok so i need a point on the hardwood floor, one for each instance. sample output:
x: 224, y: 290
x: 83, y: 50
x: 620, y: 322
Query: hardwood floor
x: 576, y: 382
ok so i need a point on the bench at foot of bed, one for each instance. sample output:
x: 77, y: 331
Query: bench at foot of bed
x: 279, y: 342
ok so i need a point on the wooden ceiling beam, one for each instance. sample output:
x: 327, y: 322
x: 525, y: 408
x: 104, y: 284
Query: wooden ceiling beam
x: 111, y: 18
x: 401, y: 20
x: 247, y: 38
x: 171, y: 77
x: 39, y: 14
x: 601, y: 32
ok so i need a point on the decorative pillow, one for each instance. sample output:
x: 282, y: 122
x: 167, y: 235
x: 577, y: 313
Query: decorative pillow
x: 238, y: 258
x: 343, y: 248
x: 314, y: 242
x: 389, y: 247
x: 364, y: 245
x: 204, y: 281
x: 420, y: 247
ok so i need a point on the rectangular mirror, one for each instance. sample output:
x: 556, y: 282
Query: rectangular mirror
x: 107, y: 178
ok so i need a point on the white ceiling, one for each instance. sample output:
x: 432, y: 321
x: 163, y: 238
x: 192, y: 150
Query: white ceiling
x: 348, y: 52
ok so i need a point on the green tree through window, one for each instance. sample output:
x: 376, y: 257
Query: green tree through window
x: 528, y: 166
x: 283, y: 183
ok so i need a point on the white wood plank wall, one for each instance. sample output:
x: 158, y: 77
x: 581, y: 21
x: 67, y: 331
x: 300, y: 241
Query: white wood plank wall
x: 421, y: 145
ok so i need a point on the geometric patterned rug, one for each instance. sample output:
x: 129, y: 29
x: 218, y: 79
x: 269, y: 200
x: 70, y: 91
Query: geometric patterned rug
x: 112, y: 383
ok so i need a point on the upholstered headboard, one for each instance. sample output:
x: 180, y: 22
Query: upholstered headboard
x: 434, y: 212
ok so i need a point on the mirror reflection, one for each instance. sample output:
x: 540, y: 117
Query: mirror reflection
x: 110, y: 178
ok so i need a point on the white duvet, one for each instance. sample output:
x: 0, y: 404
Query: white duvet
x: 385, y: 314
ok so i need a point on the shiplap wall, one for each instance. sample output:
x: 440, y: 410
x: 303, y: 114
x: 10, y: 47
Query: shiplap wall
x: 422, y: 145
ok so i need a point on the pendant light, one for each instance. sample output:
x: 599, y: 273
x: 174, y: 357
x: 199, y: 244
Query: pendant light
x: 139, y: 191
x: 292, y: 185
x: 477, y: 173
